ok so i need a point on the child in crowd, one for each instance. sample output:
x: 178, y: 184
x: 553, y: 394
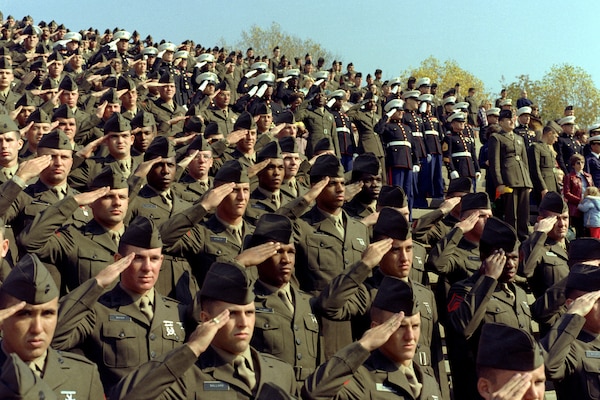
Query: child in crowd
x: 590, y: 205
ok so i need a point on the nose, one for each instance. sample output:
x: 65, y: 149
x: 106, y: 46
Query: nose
x: 36, y: 324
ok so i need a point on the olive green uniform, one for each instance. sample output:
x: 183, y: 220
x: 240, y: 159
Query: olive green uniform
x: 111, y: 330
x: 162, y: 114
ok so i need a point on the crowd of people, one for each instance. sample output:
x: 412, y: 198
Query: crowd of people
x: 189, y: 222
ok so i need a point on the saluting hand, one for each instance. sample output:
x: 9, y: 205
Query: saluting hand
x: 352, y: 190
x: 253, y: 170
x: 494, y: 264
x: 32, y: 168
x: 316, y: 189
x: 142, y: 170
x: 584, y: 303
x: 468, y: 223
x: 449, y: 204
x: 205, y: 332
x: 514, y: 389
x: 545, y: 225
x: 256, y: 255
x: 108, y: 275
x: 215, y: 196
x: 375, y: 251
x: 371, y: 219
x: 375, y: 337
x: 85, y: 198
x: 8, y: 312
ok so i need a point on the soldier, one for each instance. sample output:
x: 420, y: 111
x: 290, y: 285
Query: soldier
x: 365, y: 118
x: 217, y: 356
x: 366, y: 170
x: 40, y: 126
x: 459, y: 151
x: 286, y: 326
x: 572, y: 361
x: 401, y: 158
x: 222, y: 234
x: 510, y: 364
x: 31, y: 294
x: 544, y: 253
x: 433, y: 181
x: 566, y: 145
x: 197, y: 180
x: 381, y: 362
x: 244, y: 151
x: 543, y: 166
x: 10, y: 144
x: 489, y: 295
x: 169, y: 115
x: 346, y: 140
x: 522, y: 126
x: 8, y: 98
x: 143, y: 128
x: 268, y: 197
x: 220, y: 111
x: 129, y: 97
x: 318, y: 121
x: 328, y: 240
x: 509, y: 168
x: 294, y: 181
x: 81, y: 252
x: 264, y: 121
x: 96, y: 315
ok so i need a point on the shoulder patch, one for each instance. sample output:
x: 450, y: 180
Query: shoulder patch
x: 455, y: 302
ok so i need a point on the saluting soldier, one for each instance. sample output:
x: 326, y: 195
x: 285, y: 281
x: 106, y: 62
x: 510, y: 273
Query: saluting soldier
x: 217, y: 357
x: 346, y: 140
x: 219, y: 111
x: 295, y: 180
x: 197, y: 180
x: 98, y: 314
x: 30, y: 294
x: 542, y: 165
x: 366, y: 169
x: 169, y: 115
x: 318, y: 121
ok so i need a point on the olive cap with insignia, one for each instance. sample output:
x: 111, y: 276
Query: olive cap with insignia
x: 63, y: 111
x: 109, y: 176
x: 223, y: 86
x: 116, y: 123
x: 269, y: 150
x: 395, y: 295
x: 54, y: 57
x: 365, y: 163
x: 68, y: 84
x: 392, y: 196
x: 39, y: 116
x: 584, y: 277
x: 504, y: 347
x: 142, y: 119
x: 272, y: 228
x: 245, y: 121
x: 18, y: 381
x: 393, y: 224
x: 7, y: 124
x: 505, y: 114
x: 30, y: 281
x: 583, y: 249
x: 462, y: 184
x: 5, y: 63
x: 141, y: 232
x: 49, y: 84
x: 262, y: 109
x: 326, y: 165
x: 26, y: 100
x: 497, y: 234
x: 553, y: 202
x: 285, y: 117
x: 211, y: 129
x: 288, y: 144
x: 166, y: 78
x: 232, y: 171
x: 193, y: 124
x: 200, y: 144
x: 110, y: 97
x: 323, y: 145
x: 229, y: 283
x: 160, y: 147
x: 125, y: 83
x: 475, y: 201
x: 57, y: 139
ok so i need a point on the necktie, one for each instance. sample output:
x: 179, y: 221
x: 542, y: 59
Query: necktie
x: 125, y: 168
x: 340, y: 227
x: 293, y: 188
x: 59, y: 193
x: 237, y: 233
x: 7, y: 173
x: 245, y: 374
x: 509, y: 294
x: 146, y: 307
x: 275, y: 200
x: 285, y: 299
x: 166, y: 198
x: 414, y: 384
x: 116, y: 236
x: 33, y: 366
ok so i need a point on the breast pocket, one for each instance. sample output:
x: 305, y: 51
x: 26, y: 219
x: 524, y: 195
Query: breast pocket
x: 591, y: 366
x: 311, y: 325
x: 269, y: 331
x: 496, y: 313
x: 91, y: 260
x: 121, y: 344
x: 322, y: 253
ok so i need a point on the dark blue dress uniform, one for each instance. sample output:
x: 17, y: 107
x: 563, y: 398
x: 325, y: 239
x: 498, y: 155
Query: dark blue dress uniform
x: 565, y: 147
x: 400, y: 156
x: 345, y: 138
x: 413, y: 120
x: 527, y: 134
x: 431, y: 171
x: 459, y: 154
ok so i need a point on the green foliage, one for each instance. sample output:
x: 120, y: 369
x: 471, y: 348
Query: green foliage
x: 446, y: 75
x: 263, y: 40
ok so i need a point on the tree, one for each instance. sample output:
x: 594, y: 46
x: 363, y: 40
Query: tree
x: 264, y: 40
x: 446, y: 75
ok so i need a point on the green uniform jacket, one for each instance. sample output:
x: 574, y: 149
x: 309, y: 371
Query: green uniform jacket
x: 259, y: 204
x: 573, y: 360
x: 365, y: 122
x: 351, y: 294
x: 84, y: 172
x: 162, y: 114
x: 543, y: 262
x: 320, y: 124
x: 354, y: 373
x: 180, y: 375
x: 78, y: 253
x: 432, y: 227
x: 294, y: 338
x: 215, y: 114
x: 112, y: 331
x: 69, y: 374
x: 508, y: 161
x: 201, y: 243
x: 542, y: 168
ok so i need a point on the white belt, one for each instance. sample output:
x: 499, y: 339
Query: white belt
x: 417, y: 134
x: 343, y: 129
x: 399, y: 143
x: 432, y: 133
x: 462, y: 154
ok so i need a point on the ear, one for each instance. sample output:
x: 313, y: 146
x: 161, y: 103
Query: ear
x: 117, y: 257
x: 484, y: 388
x: 204, y: 316
x: 4, y: 248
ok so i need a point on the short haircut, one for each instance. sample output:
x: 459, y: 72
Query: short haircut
x: 574, y: 158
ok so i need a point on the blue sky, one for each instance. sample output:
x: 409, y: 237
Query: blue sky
x: 488, y: 39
